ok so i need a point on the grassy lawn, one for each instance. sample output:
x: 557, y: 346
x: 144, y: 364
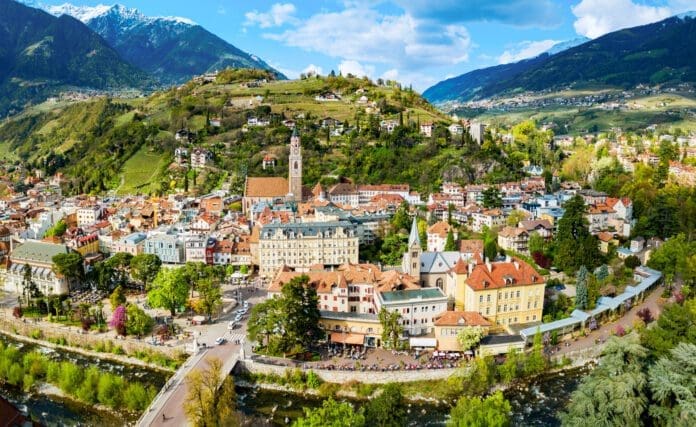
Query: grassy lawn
x: 6, y: 152
x: 138, y: 171
x: 124, y: 118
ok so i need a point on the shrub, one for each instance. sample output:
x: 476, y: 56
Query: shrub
x: 17, y: 312
x: 313, y: 380
x: 36, y: 334
x: 619, y: 331
x: 645, y: 315
x: 135, y: 397
x: 632, y: 262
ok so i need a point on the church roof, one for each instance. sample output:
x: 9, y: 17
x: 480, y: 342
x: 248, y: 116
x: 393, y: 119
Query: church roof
x: 413, y: 238
x: 266, y: 187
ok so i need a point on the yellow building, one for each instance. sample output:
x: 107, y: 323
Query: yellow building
x: 352, y: 328
x: 450, y: 323
x: 506, y: 293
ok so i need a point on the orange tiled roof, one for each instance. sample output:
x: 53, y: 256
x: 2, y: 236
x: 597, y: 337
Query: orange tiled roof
x: 519, y: 271
x: 461, y: 318
x: 266, y: 187
x: 441, y: 228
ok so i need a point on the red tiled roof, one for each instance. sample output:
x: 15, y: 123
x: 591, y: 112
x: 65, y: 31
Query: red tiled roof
x: 518, y: 271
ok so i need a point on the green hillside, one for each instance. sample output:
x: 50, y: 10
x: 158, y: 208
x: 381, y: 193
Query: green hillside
x: 128, y: 145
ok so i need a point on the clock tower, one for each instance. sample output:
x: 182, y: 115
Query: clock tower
x: 295, y: 168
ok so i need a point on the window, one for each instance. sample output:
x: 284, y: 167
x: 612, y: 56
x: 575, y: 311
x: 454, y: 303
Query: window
x: 518, y: 294
x: 481, y: 298
x: 488, y: 310
x: 534, y: 317
x: 488, y: 298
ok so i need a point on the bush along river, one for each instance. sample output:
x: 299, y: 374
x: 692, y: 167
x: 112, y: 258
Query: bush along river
x: 534, y: 402
x: 46, y: 405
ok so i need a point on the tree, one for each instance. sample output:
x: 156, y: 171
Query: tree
x: 117, y: 267
x: 535, y: 362
x: 602, y: 273
x: 450, y: 245
x: 210, y: 296
x: 29, y: 287
x: 391, y: 327
x: 117, y: 297
x: 490, y: 249
x: 210, y: 401
x: 575, y: 246
x: 144, y: 268
x: 469, y: 338
x: 614, y: 393
x: 118, y: 320
x: 299, y: 302
x: 493, y: 411
x: 58, y: 229
x: 401, y: 219
x: 70, y: 266
x: 632, y: 262
x: 266, y: 322
x: 672, y: 381
x: 137, y: 321
x: 677, y: 323
x: 581, y: 292
x: 388, y: 408
x: 169, y: 290
x: 515, y: 217
x: 331, y: 414
x: 423, y: 233
x: 492, y: 198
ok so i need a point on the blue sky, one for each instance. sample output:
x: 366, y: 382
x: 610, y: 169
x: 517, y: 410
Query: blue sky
x: 418, y: 42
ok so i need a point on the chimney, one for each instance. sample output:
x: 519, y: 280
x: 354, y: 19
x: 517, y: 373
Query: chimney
x: 488, y: 265
x: 517, y: 265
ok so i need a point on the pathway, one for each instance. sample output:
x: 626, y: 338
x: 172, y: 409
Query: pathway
x: 652, y: 302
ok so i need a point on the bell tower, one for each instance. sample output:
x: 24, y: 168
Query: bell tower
x: 295, y: 168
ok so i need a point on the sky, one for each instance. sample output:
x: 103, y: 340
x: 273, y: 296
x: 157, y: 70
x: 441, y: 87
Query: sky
x: 417, y: 42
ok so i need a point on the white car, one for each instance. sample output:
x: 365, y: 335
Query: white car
x: 219, y: 341
x: 231, y: 325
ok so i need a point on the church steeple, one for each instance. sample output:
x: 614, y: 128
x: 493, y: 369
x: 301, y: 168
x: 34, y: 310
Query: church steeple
x: 411, y: 262
x: 295, y: 167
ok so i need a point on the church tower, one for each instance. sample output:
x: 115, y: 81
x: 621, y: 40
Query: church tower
x: 295, y: 169
x: 411, y: 262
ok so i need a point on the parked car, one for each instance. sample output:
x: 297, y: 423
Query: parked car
x: 220, y: 341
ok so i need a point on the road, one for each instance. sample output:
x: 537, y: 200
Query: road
x: 168, y: 408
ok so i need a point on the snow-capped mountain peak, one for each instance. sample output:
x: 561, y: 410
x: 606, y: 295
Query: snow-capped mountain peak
x: 125, y: 15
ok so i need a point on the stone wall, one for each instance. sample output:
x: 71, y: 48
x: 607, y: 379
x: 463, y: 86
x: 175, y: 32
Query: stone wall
x: 367, y: 377
x: 76, y: 338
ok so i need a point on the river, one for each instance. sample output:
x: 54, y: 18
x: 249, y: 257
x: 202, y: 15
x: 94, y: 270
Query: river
x: 56, y: 411
x: 534, y: 403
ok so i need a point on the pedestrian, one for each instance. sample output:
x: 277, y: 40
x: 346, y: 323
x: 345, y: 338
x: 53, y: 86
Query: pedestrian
x: 164, y: 418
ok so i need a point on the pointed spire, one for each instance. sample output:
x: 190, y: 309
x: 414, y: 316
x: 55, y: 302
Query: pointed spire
x: 414, y: 238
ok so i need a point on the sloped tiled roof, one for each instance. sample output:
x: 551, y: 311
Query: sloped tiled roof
x: 461, y: 318
x: 266, y: 187
x: 519, y: 272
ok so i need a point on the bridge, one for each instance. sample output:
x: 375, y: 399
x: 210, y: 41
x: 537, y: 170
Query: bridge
x: 167, y: 408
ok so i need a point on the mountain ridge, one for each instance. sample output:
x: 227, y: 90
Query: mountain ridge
x: 158, y: 44
x: 655, y: 53
x: 40, y: 54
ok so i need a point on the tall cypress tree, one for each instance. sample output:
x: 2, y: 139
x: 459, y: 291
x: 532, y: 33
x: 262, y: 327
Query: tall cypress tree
x: 575, y: 246
x: 581, y: 291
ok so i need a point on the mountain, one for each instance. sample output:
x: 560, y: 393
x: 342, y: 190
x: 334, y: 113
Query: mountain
x: 662, y: 52
x: 172, y: 49
x: 467, y: 86
x: 41, y: 54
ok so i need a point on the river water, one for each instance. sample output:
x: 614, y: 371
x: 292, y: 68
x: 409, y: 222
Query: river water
x: 534, y: 403
x: 55, y: 411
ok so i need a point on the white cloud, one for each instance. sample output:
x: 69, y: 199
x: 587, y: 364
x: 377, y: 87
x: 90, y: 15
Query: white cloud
x: 355, y: 68
x: 365, y: 35
x: 598, y: 17
x: 313, y: 69
x: 526, y: 49
x: 278, y: 15
x: 392, y: 74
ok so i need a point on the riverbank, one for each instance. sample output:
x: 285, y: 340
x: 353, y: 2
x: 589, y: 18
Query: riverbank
x: 535, y: 400
x: 165, y: 358
x: 90, y: 353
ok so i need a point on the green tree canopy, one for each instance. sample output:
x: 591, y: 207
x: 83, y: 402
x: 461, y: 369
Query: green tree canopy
x: 391, y: 327
x: 450, y: 244
x: 493, y: 411
x: 673, y: 384
x: 614, y: 393
x: 469, y: 338
x: 331, y: 414
x: 144, y: 268
x: 169, y: 290
x: 492, y: 198
x: 70, y: 265
x: 388, y: 409
x: 137, y: 321
x: 575, y: 246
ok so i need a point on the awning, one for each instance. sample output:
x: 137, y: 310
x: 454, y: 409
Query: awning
x: 343, y: 338
x: 422, y: 342
x: 448, y: 345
